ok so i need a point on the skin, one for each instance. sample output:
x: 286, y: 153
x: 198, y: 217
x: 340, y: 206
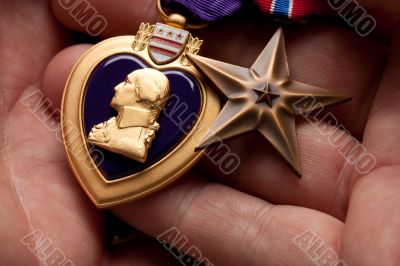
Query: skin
x: 247, y: 218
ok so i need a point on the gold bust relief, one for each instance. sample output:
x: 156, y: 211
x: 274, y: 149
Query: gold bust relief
x: 139, y: 101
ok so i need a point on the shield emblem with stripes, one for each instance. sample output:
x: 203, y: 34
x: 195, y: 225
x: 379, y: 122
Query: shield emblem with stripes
x: 167, y: 43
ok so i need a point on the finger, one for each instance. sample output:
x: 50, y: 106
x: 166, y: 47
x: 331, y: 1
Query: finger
x: 29, y: 46
x: 372, y: 226
x: 336, y: 59
x: 263, y: 173
x: 58, y: 71
x: 383, y: 129
x: 122, y: 17
x: 373, y: 222
x: 13, y: 226
x: 230, y: 227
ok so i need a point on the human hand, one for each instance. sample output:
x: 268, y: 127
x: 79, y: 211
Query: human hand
x: 250, y: 217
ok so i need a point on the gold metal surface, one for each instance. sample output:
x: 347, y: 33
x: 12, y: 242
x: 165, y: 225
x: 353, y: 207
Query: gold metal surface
x: 263, y: 98
x: 192, y: 47
x: 106, y: 193
x: 139, y: 101
x: 177, y: 21
x: 142, y: 37
x: 172, y: 19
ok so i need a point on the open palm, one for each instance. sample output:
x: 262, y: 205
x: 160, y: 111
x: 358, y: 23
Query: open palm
x: 252, y: 217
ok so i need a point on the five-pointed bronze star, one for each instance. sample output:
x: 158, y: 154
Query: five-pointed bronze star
x: 263, y: 98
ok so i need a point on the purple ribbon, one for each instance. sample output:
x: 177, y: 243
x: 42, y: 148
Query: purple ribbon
x: 208, y: 10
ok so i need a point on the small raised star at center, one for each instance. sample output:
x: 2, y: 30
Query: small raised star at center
x: 266, y: 95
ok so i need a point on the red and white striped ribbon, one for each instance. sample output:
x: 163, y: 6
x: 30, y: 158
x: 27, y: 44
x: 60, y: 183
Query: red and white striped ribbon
x: 293, y: 9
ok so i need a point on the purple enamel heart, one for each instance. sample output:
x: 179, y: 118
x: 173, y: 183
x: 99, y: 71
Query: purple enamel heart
x: 176, y: 121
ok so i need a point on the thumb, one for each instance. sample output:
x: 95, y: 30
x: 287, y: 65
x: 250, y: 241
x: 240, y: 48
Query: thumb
x: 95, y: 17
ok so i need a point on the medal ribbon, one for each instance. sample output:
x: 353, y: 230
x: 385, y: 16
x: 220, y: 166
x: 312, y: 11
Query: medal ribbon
x: 209, y: 11
x: 293, y: 9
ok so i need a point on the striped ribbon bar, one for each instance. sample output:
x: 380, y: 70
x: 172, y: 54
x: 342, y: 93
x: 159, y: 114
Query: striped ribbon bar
x: 293, y: 9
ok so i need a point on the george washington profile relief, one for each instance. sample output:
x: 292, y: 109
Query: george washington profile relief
x: 139, y: 101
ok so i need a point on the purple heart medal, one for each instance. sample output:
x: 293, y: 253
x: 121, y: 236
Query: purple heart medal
x: 132, y: 111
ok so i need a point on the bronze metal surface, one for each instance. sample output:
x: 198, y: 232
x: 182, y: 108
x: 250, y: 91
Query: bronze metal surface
x: 263, y: 98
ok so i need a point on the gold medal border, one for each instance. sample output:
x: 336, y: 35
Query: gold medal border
x: 105, y: 193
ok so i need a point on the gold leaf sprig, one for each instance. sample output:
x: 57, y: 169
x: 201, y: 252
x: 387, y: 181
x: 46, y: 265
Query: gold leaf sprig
x: 142, y: 37
x: 193, y: 47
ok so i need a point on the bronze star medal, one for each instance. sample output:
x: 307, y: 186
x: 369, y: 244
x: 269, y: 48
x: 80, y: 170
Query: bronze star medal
x: 263, y: 98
